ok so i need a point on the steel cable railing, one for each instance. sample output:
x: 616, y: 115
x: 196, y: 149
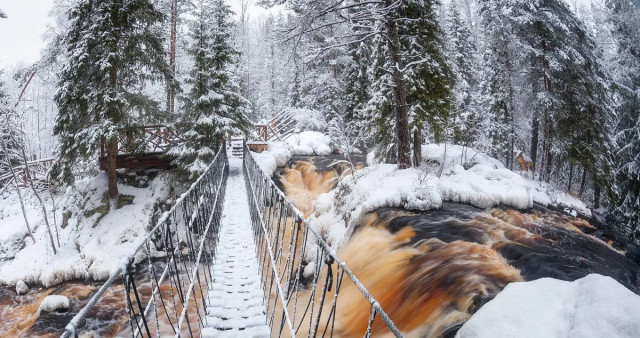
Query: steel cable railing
x: 301, y: 275
x: 184, y: 242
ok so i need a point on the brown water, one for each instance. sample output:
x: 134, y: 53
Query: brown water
x: 431, y: 270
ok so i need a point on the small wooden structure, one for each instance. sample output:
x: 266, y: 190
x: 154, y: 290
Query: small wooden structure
x: 143, y: 148
x: 260, y: 144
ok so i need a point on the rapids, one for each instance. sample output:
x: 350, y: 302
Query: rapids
x: 19, y: 315
x: 432, y: 270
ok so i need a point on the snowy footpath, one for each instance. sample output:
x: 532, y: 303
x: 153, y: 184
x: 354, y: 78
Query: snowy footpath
x: 235, y: 297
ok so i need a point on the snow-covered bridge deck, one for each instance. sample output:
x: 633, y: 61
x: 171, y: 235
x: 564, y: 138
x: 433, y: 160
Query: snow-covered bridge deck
x: 235, y: 295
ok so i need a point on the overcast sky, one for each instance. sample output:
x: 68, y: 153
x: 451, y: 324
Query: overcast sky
x: 21, y: 32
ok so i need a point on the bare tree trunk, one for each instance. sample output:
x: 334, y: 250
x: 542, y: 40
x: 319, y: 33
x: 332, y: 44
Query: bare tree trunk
x: 583, y: 183
x: 21, y: 199
x: 546, y: 170
x: 417, y: 147
x: 55, y: 209
x: 535, y: 130
x: 597, y: 191
x: 172, y: 55
x: 570, y: 177
x: 399, y: 92
x: 112, y: 156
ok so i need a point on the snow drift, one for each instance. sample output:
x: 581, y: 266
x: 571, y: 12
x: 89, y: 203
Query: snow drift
x: 306, y: 143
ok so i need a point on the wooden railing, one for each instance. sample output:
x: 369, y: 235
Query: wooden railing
x: 143, y: 147
x: 35, y: 170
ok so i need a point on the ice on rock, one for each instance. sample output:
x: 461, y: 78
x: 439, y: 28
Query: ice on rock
x: 21, y: 288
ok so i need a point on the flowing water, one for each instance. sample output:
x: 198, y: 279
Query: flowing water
x: 431, y: 270
x: 19, y: 315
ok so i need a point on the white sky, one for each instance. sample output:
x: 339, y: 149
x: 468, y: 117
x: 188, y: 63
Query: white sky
x: 21, y: 32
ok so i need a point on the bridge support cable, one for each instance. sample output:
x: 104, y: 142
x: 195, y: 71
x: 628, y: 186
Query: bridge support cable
x: 302, y: 276
x: 179, y: 253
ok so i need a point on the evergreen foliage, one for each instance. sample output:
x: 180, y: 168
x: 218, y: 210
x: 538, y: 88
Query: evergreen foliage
x: 213, y: 107
x: 113, y: 49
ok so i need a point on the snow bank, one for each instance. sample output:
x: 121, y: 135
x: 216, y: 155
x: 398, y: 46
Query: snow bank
x: 310, y: 143
x: 54, y: 302
x: 594, y: 306
x: 306, y: 143
x: 484, y: 183
x: 92, y: 241
x: 503, y: 186
x: 452, y: 155
x: 12, y: 227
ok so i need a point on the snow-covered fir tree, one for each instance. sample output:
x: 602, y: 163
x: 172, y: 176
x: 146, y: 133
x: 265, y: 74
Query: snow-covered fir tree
x: 214, y: 107
x: 496, y: 122
x: 624, y: 19
x: 357, y: 88
x: 113, y: 49
x: 10, y: 132
x: 460, y: 52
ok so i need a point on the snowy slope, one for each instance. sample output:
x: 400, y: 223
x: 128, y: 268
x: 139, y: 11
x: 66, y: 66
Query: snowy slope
x: 592, y: 307
x: 92, y: 242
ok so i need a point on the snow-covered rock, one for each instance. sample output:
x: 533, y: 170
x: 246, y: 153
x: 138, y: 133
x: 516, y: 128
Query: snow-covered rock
x: 276, y: 155
x: 594, y: 306
x: 21, y: 288
x: 310, y: 143
x: 54, y: 303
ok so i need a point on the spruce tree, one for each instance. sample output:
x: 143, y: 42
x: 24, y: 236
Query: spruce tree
x: 624, y: 18
x: 427, y: 77
x: 113, y: 50
x: 430, y: 79
x: 357, y: 90
x: 496, y: 121
x: 10, y: 133
x: 570, y: 88
x: 460, y: 52
x: 213, y: 107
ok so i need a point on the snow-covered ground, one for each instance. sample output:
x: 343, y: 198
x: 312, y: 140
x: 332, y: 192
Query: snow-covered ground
x: 594, y: 306
x: 92, y: 240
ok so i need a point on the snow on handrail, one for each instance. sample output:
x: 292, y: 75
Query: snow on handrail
x: 126, y: 262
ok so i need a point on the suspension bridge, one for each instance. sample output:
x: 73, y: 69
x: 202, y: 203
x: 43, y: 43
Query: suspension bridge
x: 232, y: 257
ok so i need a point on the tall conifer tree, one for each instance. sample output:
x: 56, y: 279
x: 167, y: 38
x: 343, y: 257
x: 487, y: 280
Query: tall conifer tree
x: 214, y: 107
x: 113, y: 50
